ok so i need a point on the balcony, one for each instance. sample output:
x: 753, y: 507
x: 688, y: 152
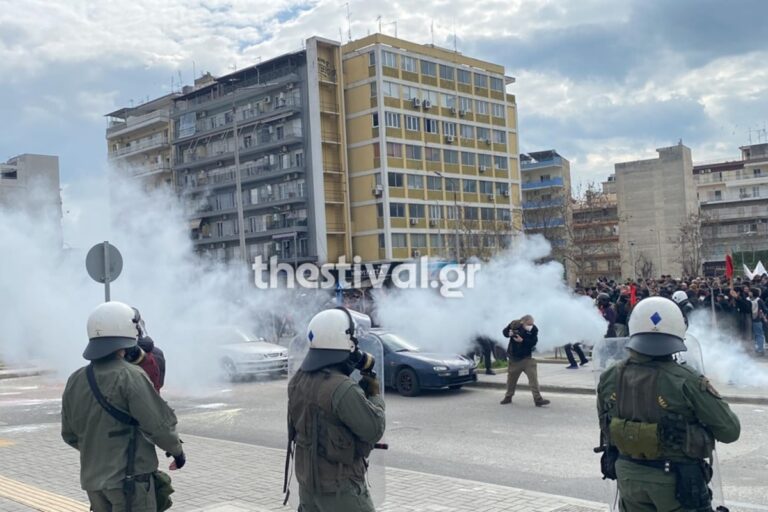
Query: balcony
x: 247, y: 175
x: 552, y: 162
x: 553, y: 223
x: 726, y: 177
x: 267, y: 234
x: 140, y: 147
x: 551, y: 203
x: 535, y: 185
x: 118, y: 128
x: 264, y: 144
x: 733, y: 197
x: 143, y: 172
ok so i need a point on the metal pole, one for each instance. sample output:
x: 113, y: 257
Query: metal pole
x: 238, y: 184
x: 456, y: 224
x: 106, y: 272
x: 295, y: 250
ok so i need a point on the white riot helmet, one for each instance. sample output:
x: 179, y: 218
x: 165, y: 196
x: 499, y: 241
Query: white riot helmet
x: 331, y: 335
x: 679, y: 297
x: 111, y: 327
x: 656, y: 327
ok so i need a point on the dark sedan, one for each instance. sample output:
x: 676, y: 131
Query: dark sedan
x: 408, y: 370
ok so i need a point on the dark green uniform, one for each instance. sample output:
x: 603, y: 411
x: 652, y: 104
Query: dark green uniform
x: 335, y: 427
x: 103, y: 441
x: 657, y: 412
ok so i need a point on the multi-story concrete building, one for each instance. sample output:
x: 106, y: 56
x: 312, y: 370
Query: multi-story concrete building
x: 734, y: 207
x: 546, y: 189
x: 432, y: 148
x: 596, y: 235
x: 287, y: 114
x: 139, y: 142
x: 656, y: 199
x: 30, y: 183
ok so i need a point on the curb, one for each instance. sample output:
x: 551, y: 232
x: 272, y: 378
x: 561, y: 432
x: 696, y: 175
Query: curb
x: 17, y: 374
x: 572, y: 390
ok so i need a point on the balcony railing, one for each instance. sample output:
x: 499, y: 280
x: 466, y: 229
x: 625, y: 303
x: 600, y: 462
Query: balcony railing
x: 728, y: 198
x: 533, y: 185
x: 729, y: 176
x: 261, y: 144
x: 552, y: 162
x: 554, y: 223
x: 551, y: 203
x: 141, y: 146
x: 134, y: 122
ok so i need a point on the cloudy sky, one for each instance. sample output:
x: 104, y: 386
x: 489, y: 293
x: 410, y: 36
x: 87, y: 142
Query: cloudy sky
x: 602, y: 81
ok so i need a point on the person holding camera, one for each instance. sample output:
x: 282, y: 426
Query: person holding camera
x: 334, y: 422
x: 523, y: 336
x: 146, y: 355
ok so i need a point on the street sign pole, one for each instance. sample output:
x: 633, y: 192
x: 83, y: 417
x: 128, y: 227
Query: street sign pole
x: 104, y: 264
x: 106, y: 272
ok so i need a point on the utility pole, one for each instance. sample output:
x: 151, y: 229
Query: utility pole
x: 457, y: 219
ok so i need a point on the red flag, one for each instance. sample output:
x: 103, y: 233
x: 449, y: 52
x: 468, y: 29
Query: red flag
x: 728, y: 266
x: 633, y: 294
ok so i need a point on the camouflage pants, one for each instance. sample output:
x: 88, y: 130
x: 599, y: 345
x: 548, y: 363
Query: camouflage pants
x: 356, y: 499
x: 113, y: 500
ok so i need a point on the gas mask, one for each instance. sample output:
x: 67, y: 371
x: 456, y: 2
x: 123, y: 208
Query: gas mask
x: 528, y: 328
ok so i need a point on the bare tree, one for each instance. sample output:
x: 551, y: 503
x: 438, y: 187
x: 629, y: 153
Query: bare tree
x: 690, y: 241
x: 644, y: 265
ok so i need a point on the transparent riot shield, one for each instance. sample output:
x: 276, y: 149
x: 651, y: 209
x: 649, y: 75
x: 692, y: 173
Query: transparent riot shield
x: 610, y: 351
x: 297, y: 350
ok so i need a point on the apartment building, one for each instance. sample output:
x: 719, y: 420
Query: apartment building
x: 734, y: 207
x: 432, y: 149
x: 30, y: 183
x: 596, y: 235
x: 280, y: 124
x: 139, y: 142
x: 656, y: 199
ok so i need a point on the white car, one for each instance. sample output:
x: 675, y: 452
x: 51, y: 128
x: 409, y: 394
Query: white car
x: 242, y: 354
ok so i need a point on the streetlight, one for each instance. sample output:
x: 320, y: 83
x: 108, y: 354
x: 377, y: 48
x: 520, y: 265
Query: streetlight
x: 456, y: 223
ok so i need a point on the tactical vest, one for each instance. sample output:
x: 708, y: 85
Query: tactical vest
x: 651, y: 420
x: 328, y: 454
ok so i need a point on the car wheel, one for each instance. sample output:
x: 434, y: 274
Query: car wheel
x: 457, y: 386
x: 407, y: 382
x: 230, y: 370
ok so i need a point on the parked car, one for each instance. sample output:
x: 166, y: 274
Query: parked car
x: 243, y: 354
x: 408, y: 370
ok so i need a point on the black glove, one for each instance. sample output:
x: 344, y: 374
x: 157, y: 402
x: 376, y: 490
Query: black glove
x: 370, y: 386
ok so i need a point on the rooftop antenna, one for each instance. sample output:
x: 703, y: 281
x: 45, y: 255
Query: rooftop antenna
x: 455, y: 47
x: 180, y: 79
x: 432, y: 31
x: 349, y: 24
x: 341, y: 36
x: 194, y: 72
x: 378, y: 18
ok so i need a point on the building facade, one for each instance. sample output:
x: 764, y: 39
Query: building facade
x: 280, y: 124
x: 734, y: 207
x: 656, y: 200
x: 139, y: 142
x: 596, y: 235
x: 30, y: 184
x: 432, y: 149
x: 546, y: 191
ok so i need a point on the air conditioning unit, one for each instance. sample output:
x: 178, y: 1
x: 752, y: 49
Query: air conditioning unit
x: 416, y: 253
x: 268, y: 99
x: 483, y: 168
x: 414, y: 222
x: 289, y: 86
x: 462, y: 112
x: 454, y: 110
x: 487, y: 142
x: 426, y: 104
x: 378, y: 190
x: 416, y: 102
x: 505, y: 193
x: 449, y: 139
x: 490, y: 197
x: 433, y: 222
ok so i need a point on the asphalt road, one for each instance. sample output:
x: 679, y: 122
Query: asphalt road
x: 463, y: 433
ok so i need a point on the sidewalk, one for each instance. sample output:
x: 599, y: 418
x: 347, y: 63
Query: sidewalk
x: 15, y: 373
x: 555, y: 378
x: 41, y: 472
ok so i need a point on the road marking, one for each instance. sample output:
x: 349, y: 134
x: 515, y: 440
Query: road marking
x: 38, y: 499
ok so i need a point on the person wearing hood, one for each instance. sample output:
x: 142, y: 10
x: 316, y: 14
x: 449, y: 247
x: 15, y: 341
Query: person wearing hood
x: 523, y: 336
x: 146, y: 355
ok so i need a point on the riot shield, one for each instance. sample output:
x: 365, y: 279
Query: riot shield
x: 610, y: 351
x: 297, y: 350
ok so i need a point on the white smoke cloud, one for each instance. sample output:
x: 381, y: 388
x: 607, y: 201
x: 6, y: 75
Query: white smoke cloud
x: 508, y: 287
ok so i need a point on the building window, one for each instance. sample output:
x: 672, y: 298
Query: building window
x: 504, y: 214
x: 410, y: 93
x: 375, y: 120
x: 432, y: 154
x: 449, y: 128
x: 500, y: 161
x: 482, y: 107
x: 430, y: 96
x: 399, y: 240
x: 499, y: 137
x: 481, y: 80
x: 447, y: 72
x: 373, y: 89
x: 498, y: 110
x: 434, y: 183
x: 371, y: 58
x: 379, y: 209
x: 395, y: 179
x: 397, y: 210
x: 470, y: 212
x: 486, y: 187
x: 465, y: 104
x: 416, y: 211
x: 435, y: 211
x: 412, y: 152
x: 412, y: 123
x: 464, y: 76
x: 484, y: 160
x: 382, y: 240
x: 497, y: 84
x: 430, y: 125
x: 487, y: 214
x: 436, y: 241
x: 395, y: 150
x: 451, y: 156
x: 470, y: 186
x: 389, y: 59
x: 408, y: 64
x: 448, y: 100
x: 428, y: 68
x: 418, y: 240
x: 483, y: 134
x: 415, y: 182
x: 392, y: 119
x: 467, y: 158
x: 452, y: 184
x: 390, y: 89
x: 467, y: 131
x: 502, y: 189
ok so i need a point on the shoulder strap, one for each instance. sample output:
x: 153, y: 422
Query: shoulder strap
x: 113, y: 411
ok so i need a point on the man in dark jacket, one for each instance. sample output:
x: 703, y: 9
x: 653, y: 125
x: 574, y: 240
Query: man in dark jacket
x: 484, y: 346
x: 146, y: 355
x: 523, y: 336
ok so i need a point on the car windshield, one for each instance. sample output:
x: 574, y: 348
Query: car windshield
x: 231, y: 336
x: 397, y: 344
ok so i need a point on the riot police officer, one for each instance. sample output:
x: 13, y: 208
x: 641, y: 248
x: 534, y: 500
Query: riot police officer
x: 682, y: 301
x: 659, y: 420
x: 333, y: 421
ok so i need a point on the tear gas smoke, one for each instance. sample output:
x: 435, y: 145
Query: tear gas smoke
x: 47, y: 294
x: 506, y: 288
